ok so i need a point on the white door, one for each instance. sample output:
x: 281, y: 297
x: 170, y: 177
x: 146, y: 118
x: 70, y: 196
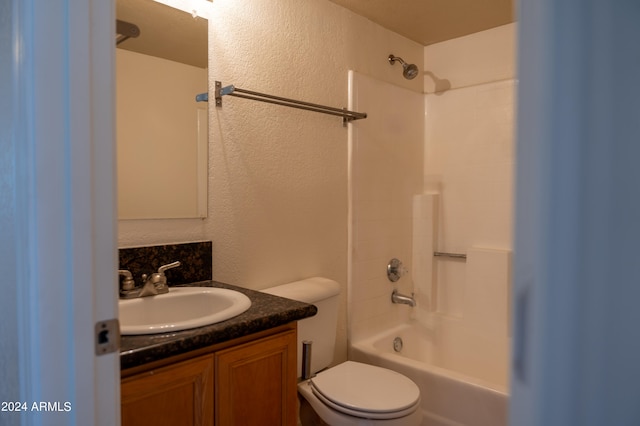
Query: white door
x: 577, y: 258
x: 58, y: 243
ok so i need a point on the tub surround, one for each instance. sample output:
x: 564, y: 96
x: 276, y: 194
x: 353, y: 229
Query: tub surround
x: 448, y: 189
x: 451, y: 397
x: 266, y: 312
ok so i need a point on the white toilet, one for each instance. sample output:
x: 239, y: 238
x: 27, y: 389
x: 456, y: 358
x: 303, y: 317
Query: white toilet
x: 350, y: 393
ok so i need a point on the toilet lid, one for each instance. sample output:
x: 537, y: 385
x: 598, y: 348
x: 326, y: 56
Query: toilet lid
x: 366, y: 391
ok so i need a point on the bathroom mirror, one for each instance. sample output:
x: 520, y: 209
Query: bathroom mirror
x: 161, y: 130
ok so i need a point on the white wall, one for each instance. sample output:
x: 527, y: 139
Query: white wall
x: 469, y: 135
x: 469, y: 162
x: 386, y: 165
x: 278, y: 176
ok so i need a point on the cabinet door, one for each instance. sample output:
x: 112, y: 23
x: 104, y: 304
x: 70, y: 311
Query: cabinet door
x: 256, y: 382
x: 177, y: 395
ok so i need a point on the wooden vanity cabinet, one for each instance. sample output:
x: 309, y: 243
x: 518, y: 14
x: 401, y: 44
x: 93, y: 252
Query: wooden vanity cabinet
x: 249, y: 381
x: 256, y: 382
x: 179, y: 394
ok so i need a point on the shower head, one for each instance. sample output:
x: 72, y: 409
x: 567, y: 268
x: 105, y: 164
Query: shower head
x: 125, y: 30
x: 409, y: 71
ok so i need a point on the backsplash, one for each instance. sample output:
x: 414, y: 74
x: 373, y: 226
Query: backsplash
x: 195, y: 259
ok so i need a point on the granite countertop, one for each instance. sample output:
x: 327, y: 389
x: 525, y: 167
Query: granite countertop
x: 266, y: 312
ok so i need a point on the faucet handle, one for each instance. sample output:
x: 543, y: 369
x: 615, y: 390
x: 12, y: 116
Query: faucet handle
x: 158, y: 279
x: 395, y: 270
x: 127, y: 283
x: 168, y: 266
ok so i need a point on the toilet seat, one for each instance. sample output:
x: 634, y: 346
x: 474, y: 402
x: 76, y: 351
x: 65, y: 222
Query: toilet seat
x: 366, y: 391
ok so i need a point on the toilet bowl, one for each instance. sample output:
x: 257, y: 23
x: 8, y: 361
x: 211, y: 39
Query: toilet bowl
x: 351, y: 393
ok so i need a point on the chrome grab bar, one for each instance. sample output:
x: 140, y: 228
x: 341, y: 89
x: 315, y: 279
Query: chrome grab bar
x: 450, y: 255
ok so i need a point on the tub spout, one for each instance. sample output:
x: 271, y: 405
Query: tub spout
x: 402, y: 299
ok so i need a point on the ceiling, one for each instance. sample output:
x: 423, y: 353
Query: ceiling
x: 432, y: 21
x: 423, y: 21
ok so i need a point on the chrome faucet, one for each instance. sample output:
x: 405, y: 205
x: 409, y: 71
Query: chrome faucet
x: 402, y: 299
x: 152, y: 285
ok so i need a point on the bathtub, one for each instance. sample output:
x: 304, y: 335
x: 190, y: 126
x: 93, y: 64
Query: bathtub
x: 448, y: 397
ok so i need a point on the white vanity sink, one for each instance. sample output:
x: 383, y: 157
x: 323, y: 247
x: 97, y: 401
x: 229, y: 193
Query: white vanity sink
x: 180, y: 309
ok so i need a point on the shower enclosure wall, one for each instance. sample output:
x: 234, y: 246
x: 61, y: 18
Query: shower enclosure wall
x: 433, y: 173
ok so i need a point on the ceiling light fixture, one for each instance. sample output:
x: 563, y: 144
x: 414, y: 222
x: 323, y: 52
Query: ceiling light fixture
x: 197, y: 8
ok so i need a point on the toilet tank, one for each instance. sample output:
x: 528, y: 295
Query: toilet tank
x: 320, y: 328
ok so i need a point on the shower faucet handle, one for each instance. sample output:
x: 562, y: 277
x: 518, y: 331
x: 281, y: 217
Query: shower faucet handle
x: 395, y: 270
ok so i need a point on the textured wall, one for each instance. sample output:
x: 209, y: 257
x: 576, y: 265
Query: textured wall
x: 278, y: 176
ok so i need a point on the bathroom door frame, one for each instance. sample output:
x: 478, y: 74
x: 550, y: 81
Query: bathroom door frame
x: 59, y: 250
x: 576, y: 274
